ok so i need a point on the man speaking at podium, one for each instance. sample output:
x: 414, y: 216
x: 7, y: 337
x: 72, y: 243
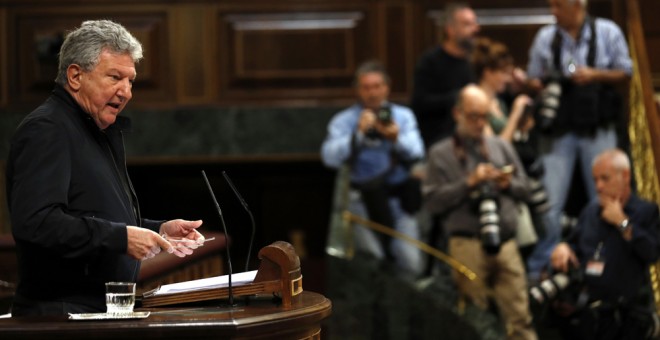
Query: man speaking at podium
x: 75, y: 215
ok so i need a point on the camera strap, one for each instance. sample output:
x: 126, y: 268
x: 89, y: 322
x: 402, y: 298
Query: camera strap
x: 557, y: 43
x: 463, y: 151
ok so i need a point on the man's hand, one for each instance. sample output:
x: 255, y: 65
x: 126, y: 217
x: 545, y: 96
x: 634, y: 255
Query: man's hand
x: 612, y: 211
x: 563, y: 258
x: 484, y: 172
x: 144, y: 244
x: 186, y: 231
x: 584, y: 75
x: 503, y: 178
x: 367, y: 120
x: 519, y: 79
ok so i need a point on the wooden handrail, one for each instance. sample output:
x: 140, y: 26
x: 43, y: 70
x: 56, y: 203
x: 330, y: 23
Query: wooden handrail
x: 643, y: 111
x: 644, y: 126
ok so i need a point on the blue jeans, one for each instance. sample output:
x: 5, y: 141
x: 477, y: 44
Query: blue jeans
x: 559, y: 155
x: 407, y: 257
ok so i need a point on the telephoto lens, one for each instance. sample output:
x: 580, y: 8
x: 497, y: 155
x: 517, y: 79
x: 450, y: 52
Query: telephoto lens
x: 538, y: 199
x: 550, y: 97
x: 548, y: 288
x: 489, y: 220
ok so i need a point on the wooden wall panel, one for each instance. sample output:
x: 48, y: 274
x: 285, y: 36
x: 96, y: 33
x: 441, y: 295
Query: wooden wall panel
x: 259, y: 52
x: 3, y: 58
x: 398, y: 57
x: 275, y: 54
x: 193, y: 60
x: 38, y: 35
x: 650, y: 9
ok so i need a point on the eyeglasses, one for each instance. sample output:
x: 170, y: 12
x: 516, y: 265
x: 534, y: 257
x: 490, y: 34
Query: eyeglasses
x: 475, y: 116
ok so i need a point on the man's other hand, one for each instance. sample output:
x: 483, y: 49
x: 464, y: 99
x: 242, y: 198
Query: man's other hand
x: 144, y: 244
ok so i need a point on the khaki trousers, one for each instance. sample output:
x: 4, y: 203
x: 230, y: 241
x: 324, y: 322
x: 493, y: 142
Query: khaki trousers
x: 502, y: 274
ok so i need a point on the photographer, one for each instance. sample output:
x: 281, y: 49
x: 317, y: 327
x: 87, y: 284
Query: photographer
x: 615, y: 242
x: 493, y: 64
x: 474, y: 181
x: 379, y: 141
x: 576, y: 64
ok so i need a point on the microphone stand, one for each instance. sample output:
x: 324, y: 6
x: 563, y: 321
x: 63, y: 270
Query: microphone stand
x: 245, y: 206
x: 224, y: 227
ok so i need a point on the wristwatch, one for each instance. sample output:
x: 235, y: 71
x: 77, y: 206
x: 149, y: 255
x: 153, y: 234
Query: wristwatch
x: 624, y: 225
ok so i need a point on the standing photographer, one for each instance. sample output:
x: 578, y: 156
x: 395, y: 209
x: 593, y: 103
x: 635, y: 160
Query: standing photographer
x: 615, y: 242
x: 474, y: 181
x: 379, y: 141
x: 576, y: 62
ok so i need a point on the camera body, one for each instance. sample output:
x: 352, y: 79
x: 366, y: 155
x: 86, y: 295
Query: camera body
x: 384, y: 116
x: 489, y: 218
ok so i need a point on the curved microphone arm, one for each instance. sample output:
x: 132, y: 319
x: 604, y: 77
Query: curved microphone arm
x: 224, y: 227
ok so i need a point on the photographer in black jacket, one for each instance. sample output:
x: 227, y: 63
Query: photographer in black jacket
x: 615, y: 242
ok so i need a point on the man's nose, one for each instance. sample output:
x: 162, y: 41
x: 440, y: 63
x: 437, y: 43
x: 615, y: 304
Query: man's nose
x: 599, y: 185
x: 125, y: 90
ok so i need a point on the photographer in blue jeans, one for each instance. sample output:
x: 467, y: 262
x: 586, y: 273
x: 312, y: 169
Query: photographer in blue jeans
x: 576, y: 64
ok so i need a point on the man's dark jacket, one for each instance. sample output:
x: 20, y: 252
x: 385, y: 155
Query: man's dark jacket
x: 70, y: 200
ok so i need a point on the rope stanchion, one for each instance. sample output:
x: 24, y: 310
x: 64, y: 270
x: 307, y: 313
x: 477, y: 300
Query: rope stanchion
x: 348, y: 216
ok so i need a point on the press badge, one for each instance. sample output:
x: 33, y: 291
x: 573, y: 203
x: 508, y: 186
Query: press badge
x: 596, y: 265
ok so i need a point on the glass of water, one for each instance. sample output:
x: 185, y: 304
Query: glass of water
x: 119, y: 297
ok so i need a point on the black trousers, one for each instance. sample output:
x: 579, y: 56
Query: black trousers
x: 607, y: 323
x: 22, y: 306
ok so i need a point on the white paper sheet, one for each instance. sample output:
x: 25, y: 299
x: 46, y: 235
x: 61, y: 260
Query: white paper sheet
x: 207, y: 283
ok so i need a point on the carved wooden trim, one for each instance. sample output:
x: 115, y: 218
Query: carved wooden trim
x: 504, y: 16
x: 295, y: 21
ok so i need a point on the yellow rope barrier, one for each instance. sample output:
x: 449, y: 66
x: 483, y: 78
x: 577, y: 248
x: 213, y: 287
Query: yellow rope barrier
x: 348, y: 216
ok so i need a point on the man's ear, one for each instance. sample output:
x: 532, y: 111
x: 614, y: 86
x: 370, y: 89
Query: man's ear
x: 73, y: 74
x: 626, y: 175
x: 455, y: 113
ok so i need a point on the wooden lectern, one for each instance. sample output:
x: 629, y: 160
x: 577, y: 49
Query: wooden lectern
x: 278, y: 274
x: 299, y: 316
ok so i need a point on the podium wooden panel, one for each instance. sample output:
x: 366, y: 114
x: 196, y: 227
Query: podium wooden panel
x: 259, y: 319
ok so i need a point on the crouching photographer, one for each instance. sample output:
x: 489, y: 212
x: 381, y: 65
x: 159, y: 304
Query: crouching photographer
x: 563, y: 300
x: 613, y: 244
x: 378, y: 140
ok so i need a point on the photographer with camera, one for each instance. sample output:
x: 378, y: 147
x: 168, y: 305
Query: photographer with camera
x: 493, y: 64
x: 615, y: 242
x: 474, y: 181
x: 379, y: 141
x: 576, y: 65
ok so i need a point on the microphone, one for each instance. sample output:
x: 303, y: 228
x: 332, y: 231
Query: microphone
x: 224, y: 227
x: 245, y: 206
